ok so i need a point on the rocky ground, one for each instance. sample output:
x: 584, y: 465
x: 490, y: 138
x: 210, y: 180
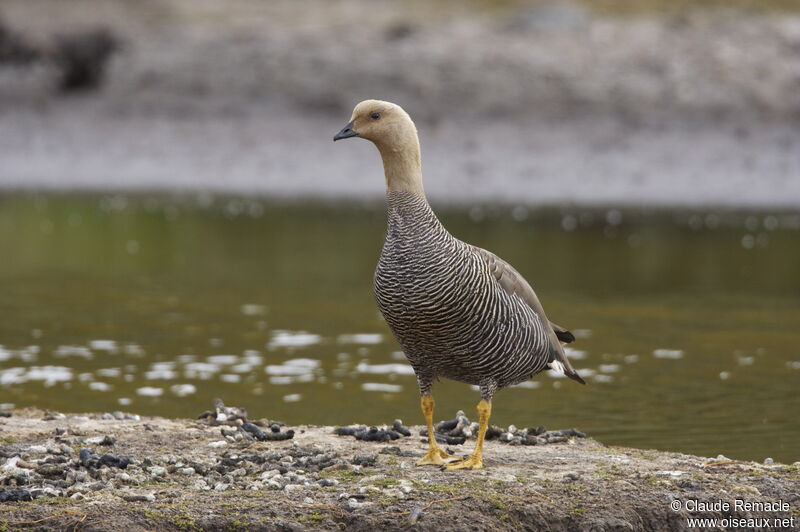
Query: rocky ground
x: 125, y: 472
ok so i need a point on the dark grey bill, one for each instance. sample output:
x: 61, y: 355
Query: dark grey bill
x: 346, y: 132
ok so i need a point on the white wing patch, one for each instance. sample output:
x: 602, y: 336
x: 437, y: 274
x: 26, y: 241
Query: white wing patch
x: 557, y: 366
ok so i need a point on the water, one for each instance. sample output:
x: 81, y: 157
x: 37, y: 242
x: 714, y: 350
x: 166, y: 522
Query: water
x: 686, y: 323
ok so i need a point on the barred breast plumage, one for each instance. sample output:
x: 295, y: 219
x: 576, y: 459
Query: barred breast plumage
x: 457, y: 310
x: 445, y: 305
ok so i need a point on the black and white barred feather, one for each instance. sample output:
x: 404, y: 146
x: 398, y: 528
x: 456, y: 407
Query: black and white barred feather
x: 451, y: 309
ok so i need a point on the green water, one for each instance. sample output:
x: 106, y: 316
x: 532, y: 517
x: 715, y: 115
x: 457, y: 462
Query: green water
x: 688, y: 322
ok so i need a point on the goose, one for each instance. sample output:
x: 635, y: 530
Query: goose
x: 458, y: 311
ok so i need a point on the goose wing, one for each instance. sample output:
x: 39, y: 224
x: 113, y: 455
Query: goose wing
x: 513, y: 283
x: 562, y: 334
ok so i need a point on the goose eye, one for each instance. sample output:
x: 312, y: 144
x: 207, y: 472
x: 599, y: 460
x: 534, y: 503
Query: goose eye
x: 375, y: 116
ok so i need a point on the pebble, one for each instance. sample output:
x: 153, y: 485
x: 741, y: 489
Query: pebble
x: 21, y: 476
x: 270, y: 474
x: 157, y: 471
x: 101, y: 440
x: 122, y: 416
x: 201, y: 485
x: 327, y: 482
x: 242, y: 428
x: 768, y: 461
x: 16, y: 496
x: 374, y: 434
x: 280, y: 436
x: 254, y: 430
x: 353, y: 504
x: 50, y: 492
x: 450, y: 440
x: 217, y: 444
x: 138, y: 497
x: 397, y: 451
x: 672, y: 474
x: 224, y: 415
x: 187, y: 471
x: 65, y: 449
x: 23, y: 464
x: 398, y: 427
x: 51, y: 471
x: 89, y: 460
x: 377, y: 435
x: 448, y: 425
x: 365, y: 460
x: 493, y: 432
x: 77, y: 496
x: 349, y: 431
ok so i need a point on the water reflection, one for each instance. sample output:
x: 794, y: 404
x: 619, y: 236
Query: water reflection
x: 686, y: 332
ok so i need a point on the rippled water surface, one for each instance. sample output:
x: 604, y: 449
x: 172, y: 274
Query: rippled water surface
x: 687, y: 323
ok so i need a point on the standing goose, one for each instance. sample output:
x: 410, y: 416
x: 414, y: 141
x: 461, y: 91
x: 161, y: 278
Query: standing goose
x: 457, y: 310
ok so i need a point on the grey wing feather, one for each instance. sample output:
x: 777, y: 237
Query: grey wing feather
x: 515, y: 284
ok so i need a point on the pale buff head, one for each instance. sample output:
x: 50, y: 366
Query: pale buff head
x: 390, y: 128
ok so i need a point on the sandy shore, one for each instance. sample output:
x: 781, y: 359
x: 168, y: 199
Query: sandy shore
x: 273, y: 153
x: 155, y: 473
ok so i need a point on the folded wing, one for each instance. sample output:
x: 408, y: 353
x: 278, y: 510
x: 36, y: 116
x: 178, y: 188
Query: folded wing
x: 514, y: 284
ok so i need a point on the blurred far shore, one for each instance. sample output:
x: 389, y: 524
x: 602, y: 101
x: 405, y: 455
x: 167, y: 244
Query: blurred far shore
x: 592, y: 102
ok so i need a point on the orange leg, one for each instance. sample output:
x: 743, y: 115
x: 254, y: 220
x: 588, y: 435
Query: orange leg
x: 476, y: 460
x: 435, y: 455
